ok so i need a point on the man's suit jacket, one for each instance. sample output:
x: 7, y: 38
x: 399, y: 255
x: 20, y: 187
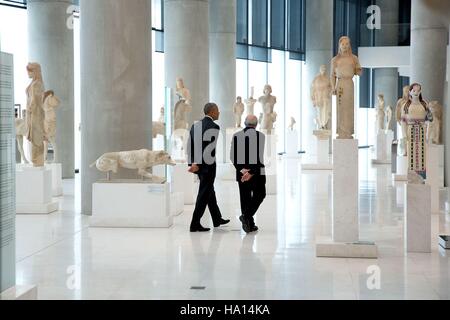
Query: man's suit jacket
x: 247, y: 152
x: 202, y: 144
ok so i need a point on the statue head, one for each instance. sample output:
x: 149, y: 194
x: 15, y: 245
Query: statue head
x: 267, y: 90
x: 345, y: 46
x: 437, y: 109
x: 34, y: 71
x: 323, y: 69
x: 50, y: 99
x: 180, y: 83
x: 381, y: 98
x: 239, y: 99
x: 415, y: 91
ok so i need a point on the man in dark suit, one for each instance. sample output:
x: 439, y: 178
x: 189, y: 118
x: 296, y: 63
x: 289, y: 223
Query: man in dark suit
x: 203, y: 139
x: 247, y: 155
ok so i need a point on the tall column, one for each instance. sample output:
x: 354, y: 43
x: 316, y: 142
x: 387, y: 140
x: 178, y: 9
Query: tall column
x: 116, y: 88
x: 186, y: 48
x: 222, y: 58
x: 386, y: 79
x: 428, y: 50
x: 319, y: 51
x: 50, y: 43
x: 446, y: 122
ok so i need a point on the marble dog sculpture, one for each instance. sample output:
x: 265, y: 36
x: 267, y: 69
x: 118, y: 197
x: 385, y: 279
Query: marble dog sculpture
x: 140, y: 160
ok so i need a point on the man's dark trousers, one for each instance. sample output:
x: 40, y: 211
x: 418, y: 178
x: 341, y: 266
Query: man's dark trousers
x: 252, y: 194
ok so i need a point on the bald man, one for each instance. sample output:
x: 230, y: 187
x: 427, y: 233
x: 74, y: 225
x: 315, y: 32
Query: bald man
x: 247, y: 155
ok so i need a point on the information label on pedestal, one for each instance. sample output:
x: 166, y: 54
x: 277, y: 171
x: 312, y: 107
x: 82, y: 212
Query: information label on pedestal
x: 7, y: 174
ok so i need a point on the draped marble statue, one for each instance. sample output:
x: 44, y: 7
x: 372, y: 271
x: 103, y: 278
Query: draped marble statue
x: 35, y: 114
x: 250, y: 103
x: 434, y: 129
x: 380, y: 114
x: 389, y: 115
x: 238, y: 111
x: 182, y: 107
x: 415, y: 114
x: 51, y: 103
x: 292, y: 124
x: 321, y: 96
x: 399, y: 112
x: 343, y: 68
x: 268, y: 102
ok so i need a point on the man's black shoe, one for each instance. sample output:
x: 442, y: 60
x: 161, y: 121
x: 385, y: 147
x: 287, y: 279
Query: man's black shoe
x: 254, y: 228
x: 245, y: 224
x: 199, y: 229
x: 221, y: 223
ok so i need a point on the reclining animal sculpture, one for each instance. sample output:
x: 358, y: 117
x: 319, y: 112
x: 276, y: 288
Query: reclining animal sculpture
x: 140, y: 160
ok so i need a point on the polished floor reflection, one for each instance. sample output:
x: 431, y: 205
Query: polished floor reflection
x: 69, y: 260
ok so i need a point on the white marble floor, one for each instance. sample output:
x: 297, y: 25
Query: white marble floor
x: 68, y: 260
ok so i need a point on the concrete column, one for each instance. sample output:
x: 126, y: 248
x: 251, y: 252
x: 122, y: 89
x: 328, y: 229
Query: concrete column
x: 386, y: 79
x: 50, y: 43
x: 319, y: 51
x: 116, y: 100
x: 222, y: 57
x: 429, y: 39
x: 446, y: 122
x: 186, y: 47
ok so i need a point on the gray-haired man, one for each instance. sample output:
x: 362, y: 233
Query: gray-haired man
x: 247, y: 155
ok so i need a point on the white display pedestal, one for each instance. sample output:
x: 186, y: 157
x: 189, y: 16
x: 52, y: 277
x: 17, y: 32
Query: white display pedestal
x: 402, y: 169
x: 292, y: 147
x: 20, y: 293
x: 158, y: 143
x: 184, y: 182
x: 323, y: 157
x: 418, y: 218
x: 176, y: 203
x: 345, y: 234
x: 384, y: 147
x: 131, y: 204
x: 34, y: 191
x: 434, y: 153
x: 57, y: 184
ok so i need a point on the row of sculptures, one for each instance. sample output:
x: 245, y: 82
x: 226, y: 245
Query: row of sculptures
x: 38, y: 123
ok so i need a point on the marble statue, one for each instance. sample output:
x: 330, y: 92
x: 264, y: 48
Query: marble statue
x: 140, y: 160
x: 162, y: 115
x: 35, y: 114
x: 182, y: 107
x: 238, y: 110
x: 292, y: 124
x: 415, y: 114
x: 389, y: 114
x: 250, y: 103
x: 380, y: 114
x: 399, y: 112
x: 434, y: 129
x: 268, y: 102
x: 343, y: 68
x: 21, y: 131
x: 321, y: 96
x: 158, y: 128
x: 260, y: 120
x: 51, y: 103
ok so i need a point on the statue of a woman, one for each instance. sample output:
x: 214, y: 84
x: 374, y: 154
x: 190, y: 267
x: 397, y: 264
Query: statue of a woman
x: 380, y: 113
x: 35, y: 114
x: 415, y: 114
x: 182, y: 107
x: 51, y: 103
x: 343, y: 68
x: 238, y: 110
x: 403, y: 125
x: 389, y: 113
x: 321, y: 92
x: 250, y: 102
x: 268, y: 102
x: 434, y: 129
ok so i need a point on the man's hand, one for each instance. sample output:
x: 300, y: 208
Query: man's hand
x: 246, y: 176
x: 194, y: 168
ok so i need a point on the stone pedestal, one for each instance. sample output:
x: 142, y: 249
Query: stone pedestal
x: 176, y: 203
x: 34, y: 191
x: 323, y: 152
x: 292, y: 145
x: 184, y: 182
x: 131, y: 204
x: 384, y: 147
x: 434, y: 153
x: 418, y: 218
x: 402, y: 169
x: 57, y: 184
x: 20, y: 293
x: 345, y: 191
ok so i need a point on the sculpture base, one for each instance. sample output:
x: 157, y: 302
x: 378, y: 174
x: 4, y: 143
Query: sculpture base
x: 292, y: 146
x: 434, y: 155
x: 34, y: 191
x: 131, y: 204
x: 402, y: 169
x: 345, y: 191
x: 176, y: 203
x: 57, y: 184
x: 359, y: 250
x: 184, y: 182
x: 18, y: 293
x: 323, y: 157
x: 418, y: 218
x: 384, y: 147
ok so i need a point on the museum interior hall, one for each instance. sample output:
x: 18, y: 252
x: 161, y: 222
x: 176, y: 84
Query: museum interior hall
x: 127, y: 136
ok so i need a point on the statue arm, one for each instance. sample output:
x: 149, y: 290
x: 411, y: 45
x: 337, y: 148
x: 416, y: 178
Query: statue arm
x: 333, y: 76
x: 358, y: 68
